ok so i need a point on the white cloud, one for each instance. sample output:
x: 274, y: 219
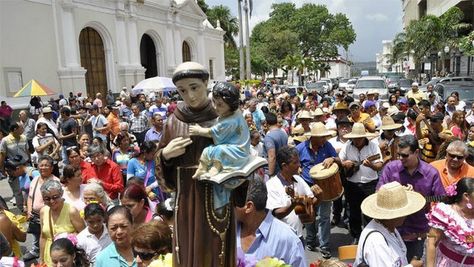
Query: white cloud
x: 386, y: 14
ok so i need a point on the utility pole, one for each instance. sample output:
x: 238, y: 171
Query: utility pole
x: 247, y: 41
x: 241, y: 43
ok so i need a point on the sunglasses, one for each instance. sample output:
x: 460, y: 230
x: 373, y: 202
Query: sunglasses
x: 403, y: 155
x: 48, y: 199
x: 455, y: 156
x: 144, y: 255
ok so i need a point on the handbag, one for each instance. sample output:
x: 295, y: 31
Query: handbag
x: 364, y: 263
x: 34, y: 226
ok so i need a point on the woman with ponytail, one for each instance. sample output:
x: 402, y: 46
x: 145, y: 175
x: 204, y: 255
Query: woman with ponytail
x: 451, y: 237
x: 65, y: 253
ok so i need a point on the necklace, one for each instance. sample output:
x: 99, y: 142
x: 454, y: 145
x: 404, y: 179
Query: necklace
x: 226, y: 218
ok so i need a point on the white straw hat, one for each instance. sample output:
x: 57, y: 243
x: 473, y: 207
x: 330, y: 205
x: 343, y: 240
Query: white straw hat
x: 318, y: 129
x: 304, y: 114
x: 392, y: 201
x: 389, y: 124
x: 358, y: 131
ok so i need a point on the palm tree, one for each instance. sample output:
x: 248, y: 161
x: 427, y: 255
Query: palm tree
x: 228, y: 22
x: 291, y: 62
x: 399, y: 51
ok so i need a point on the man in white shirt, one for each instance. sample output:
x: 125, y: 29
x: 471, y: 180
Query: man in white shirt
x: 344, y: 126
x: 286, y: 183
x: 361, y: 173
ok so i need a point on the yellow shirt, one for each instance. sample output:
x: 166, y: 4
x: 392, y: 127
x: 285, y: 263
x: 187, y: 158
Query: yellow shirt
x: 365, y: 119
x: 418, y: 96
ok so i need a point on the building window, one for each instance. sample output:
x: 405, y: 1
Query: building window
x: 186, y: 52
x: 211, y: 69
x: 13, y: 80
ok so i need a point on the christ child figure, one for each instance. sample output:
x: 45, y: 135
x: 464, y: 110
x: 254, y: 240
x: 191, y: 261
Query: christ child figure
x: 230, y: 134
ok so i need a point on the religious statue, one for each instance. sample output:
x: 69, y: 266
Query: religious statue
x: 203, y: 235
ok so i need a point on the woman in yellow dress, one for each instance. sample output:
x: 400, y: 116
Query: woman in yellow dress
x: 57, y: 217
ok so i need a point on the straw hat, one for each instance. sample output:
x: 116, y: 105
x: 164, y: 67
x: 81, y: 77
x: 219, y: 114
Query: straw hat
x: 305, y: 115
x: 392, y: 201
x: 340, y: 106
x: 317, y: 112
x: 372, y: 92
x: 47, y: 109
x: 297, y: 130
x: 392, y: 110
x: 319, y: 130
x: 358, y: 131
x: 389, y: 124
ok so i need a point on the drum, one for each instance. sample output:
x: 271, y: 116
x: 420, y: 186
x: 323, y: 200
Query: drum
x: 329, y: 181
x: 304, y: 209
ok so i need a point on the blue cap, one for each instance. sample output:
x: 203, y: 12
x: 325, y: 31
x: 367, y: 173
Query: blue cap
x: 369, y: 103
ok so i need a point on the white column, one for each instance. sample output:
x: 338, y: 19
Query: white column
x: 134, y: 49
x: 122, y: 51
x: 168, y: 45
x: 201, y: 48
x: 178, y: 43
x: 70, y: 44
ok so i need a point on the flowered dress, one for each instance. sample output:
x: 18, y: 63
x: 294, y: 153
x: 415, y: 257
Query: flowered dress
x: 458, y: 234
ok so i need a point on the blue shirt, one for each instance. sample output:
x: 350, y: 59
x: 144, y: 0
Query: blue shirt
x: 275, y: 139
x: 152, y: 135
x: 274, y: 238
x: 308, y: 158
x: 110, y: 257
x: 425, y: 180
x: 258, y: 118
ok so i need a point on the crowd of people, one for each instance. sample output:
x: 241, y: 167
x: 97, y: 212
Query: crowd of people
x: 83, y: 172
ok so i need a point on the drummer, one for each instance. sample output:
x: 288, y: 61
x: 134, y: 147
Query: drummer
x: 361, y: 173
x: 279, y: 200
x: 311, y: 152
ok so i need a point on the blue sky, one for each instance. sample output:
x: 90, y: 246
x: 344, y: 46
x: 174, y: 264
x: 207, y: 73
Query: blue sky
x: 373, y: 20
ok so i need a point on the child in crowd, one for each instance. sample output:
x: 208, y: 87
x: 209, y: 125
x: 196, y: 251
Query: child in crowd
x: 95, y: 237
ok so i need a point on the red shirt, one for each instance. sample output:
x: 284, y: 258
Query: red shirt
x: 87, y: 171
x: 110, y: 175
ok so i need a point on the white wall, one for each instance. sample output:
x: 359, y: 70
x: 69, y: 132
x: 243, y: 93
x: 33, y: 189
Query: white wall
x: 27, y: 42
x: 35, y: 38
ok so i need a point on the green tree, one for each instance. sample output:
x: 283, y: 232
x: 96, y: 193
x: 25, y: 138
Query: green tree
x: 399, y: 51
x: 309, y: 31
x: 228, y: 22
x: 202, y: 4
x: 231, y: 56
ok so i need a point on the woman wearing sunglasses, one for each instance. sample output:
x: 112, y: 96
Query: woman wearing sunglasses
x: 56, y: 217
x: 151, y: 241
x: 119, y: 253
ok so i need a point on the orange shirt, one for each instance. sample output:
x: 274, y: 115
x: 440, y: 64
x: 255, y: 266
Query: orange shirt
x: 466, y: 171
x: 114, y: 124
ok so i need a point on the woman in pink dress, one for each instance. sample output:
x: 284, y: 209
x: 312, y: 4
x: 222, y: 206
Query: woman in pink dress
x: 458, y: 125
x: 451, y: 237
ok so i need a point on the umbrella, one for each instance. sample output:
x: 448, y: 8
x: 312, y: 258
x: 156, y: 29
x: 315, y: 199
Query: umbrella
x: 34, y: 88
x: 155, y: 84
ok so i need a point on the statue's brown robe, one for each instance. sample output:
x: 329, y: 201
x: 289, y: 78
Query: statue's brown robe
x: 198, y: 245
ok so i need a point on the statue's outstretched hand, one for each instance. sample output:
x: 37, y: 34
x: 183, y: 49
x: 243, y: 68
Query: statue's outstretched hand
x: 176, y: 147
x: 196, y: 130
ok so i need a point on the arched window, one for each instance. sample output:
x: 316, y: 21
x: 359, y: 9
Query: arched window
x: 186, y: 52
